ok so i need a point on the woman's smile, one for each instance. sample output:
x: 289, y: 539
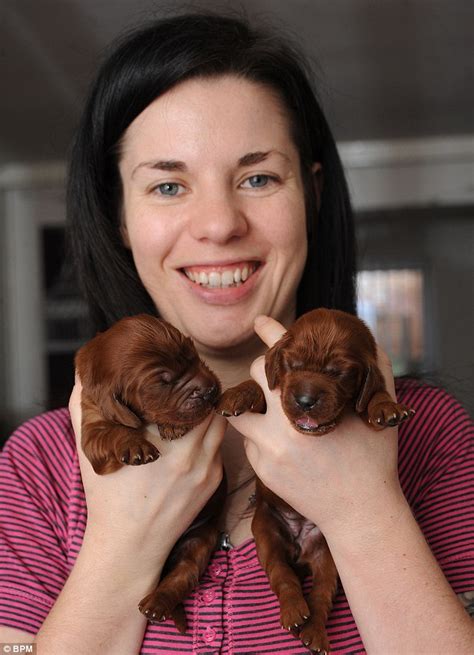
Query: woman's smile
x: 214, y: 276
x: 222, y: 284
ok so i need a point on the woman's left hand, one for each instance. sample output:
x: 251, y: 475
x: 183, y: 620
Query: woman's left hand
x: 346, y: 473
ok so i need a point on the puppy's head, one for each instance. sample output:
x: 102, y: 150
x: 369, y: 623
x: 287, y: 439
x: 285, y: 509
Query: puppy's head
x: 324, y: 364
x: 143, y: 370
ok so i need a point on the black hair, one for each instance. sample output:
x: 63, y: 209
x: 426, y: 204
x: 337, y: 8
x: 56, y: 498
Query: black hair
x: 145, y: 64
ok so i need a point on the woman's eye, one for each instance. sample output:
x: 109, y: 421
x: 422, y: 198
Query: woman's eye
x: 257, y: 181
x: 168, y: 188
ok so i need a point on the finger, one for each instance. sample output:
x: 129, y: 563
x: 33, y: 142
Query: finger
x: 214, y: 434
x: 248, y: 424
x: 257, y: 372
x: 268, y: 329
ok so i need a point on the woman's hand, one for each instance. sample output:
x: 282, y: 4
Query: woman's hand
x: 328, y: 478
x: 156, y: 502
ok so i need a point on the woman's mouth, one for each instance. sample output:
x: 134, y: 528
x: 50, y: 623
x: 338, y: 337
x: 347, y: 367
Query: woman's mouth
x: 220, y: 277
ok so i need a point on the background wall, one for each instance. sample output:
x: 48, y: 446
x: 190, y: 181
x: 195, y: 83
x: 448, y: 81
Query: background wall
x: 396, y: 81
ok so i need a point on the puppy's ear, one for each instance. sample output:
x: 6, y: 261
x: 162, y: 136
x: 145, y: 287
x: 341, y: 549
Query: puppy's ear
x: 104, y: 396
x: 372, y: 382
x: 114, y: 409
x: 274, y: 361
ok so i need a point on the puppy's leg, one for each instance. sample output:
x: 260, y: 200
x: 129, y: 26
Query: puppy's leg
x: 382, y: 411
x: 186, y: 564
x: 245, y: 397
x: 274, y: 548
x: 109, y: 446
x: 320, y: 599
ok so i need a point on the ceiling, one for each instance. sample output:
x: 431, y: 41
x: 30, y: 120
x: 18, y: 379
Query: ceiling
x: 386, y: 68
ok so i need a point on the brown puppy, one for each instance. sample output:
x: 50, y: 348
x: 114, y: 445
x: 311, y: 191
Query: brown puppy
x: 144, y: 371
x: 325, y: 365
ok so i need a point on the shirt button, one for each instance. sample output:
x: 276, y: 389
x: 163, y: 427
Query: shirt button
x: 208, y: 596
x: 209, y: 635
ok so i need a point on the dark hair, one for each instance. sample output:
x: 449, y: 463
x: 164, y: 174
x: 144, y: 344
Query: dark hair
x: 141, y: 67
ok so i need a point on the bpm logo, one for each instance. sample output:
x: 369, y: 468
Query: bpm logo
x: 17, y: 648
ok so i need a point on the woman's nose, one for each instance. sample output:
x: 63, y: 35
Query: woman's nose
x: 218, y: 218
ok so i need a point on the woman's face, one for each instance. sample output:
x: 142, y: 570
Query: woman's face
x: 213, y: 208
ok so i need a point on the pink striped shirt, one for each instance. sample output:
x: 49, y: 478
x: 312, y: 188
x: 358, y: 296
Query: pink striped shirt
x: 233, y: 611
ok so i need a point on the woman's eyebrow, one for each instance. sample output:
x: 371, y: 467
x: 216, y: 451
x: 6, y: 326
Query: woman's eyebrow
x: 162, y: 165
x: 256, y: 157
x: 248, y: 159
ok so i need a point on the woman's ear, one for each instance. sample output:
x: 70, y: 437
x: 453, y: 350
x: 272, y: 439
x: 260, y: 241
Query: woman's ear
x: 124, y: 234
x: 317, y: 171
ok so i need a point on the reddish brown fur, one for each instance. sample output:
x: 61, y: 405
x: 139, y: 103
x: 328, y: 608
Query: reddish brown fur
x: 142, y: 371
x: 325, y: 366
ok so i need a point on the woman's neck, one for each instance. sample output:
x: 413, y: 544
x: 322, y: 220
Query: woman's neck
x: 232, y: 366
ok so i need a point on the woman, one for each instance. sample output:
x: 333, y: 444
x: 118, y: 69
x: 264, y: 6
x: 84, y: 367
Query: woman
x: 203, y: 151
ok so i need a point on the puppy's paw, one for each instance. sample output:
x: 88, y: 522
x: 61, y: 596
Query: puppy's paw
x: 158, y: 608
x: 314, y: 636
x: 294, y: 611
x: 388, y: 414
x: 245, y: 397
x: 137, y: 452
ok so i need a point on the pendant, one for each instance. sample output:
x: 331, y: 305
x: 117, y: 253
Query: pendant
x: 224, y: 541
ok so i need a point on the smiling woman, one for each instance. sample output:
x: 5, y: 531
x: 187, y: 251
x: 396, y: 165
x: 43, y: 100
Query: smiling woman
x: 205, y: 187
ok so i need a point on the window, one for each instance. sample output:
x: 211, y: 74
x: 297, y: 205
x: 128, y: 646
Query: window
x: 391, y: 303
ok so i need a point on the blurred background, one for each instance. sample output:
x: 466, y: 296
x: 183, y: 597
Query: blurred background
x: 396, y: 80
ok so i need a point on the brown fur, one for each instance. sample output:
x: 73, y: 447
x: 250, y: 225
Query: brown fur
x: 325, y: 365
x: 144, y: 371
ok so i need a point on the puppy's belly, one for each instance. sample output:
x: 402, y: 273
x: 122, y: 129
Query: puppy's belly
x: 305, y: 533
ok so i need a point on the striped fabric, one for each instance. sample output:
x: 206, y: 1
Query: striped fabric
x: 234, y: 612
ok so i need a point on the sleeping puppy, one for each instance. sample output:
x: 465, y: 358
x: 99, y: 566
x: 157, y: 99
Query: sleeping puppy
x: 325, y: 365
x: 143, y: 371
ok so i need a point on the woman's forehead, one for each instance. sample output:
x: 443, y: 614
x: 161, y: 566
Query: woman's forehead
x: 207, y: 115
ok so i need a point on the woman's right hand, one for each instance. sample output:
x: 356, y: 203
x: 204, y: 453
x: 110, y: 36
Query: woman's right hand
x: 153, y: 503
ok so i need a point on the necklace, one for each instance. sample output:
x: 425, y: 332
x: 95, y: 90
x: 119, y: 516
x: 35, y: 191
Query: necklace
x: 224, y: 537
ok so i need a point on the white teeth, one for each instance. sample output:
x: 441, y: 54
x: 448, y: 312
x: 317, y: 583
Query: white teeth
x: 214, y: 279
x: 225, y: 279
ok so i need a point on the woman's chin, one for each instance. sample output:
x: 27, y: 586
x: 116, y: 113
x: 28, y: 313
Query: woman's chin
x: 225, y: 340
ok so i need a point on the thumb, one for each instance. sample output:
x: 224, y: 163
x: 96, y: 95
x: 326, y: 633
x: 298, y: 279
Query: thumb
x: 268, y: 329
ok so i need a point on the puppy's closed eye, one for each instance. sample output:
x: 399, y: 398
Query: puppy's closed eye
x: 333, y: 371
x: 294, y: 365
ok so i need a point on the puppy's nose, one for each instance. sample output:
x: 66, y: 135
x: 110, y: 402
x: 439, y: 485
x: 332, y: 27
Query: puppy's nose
x: 209, y: 393
x: 305, y: 401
